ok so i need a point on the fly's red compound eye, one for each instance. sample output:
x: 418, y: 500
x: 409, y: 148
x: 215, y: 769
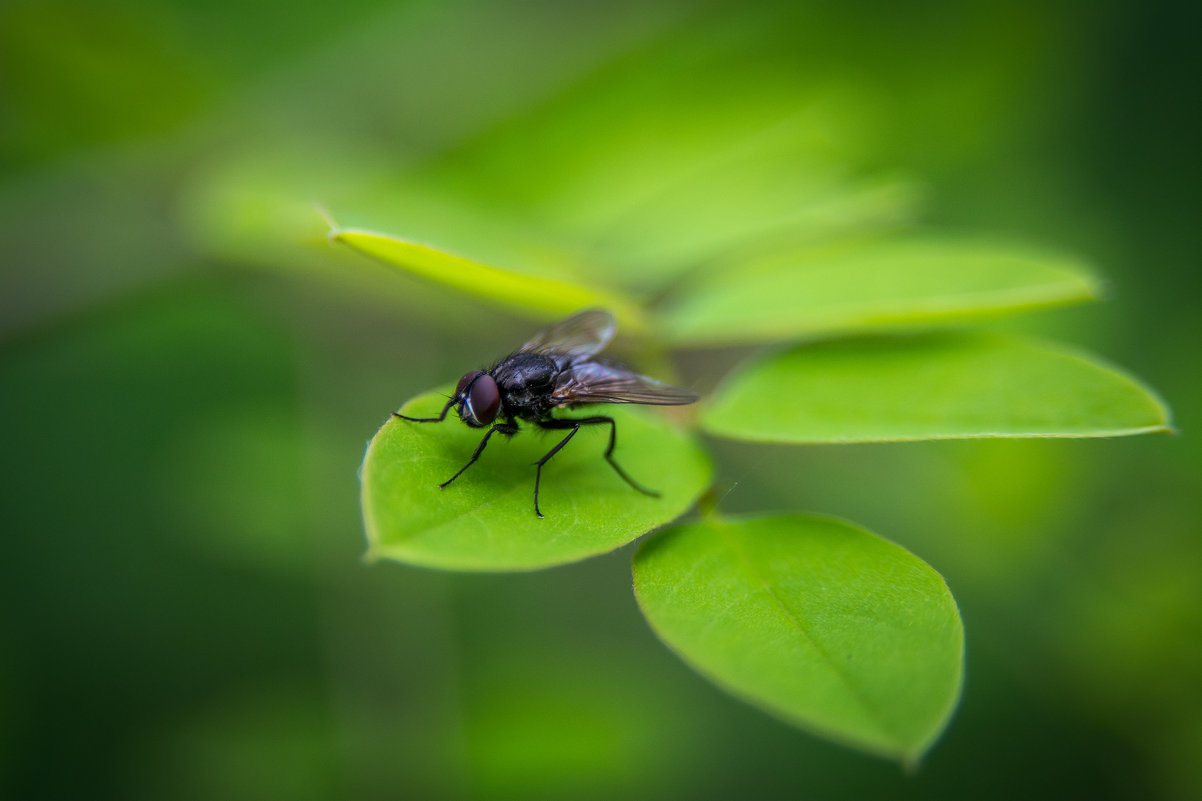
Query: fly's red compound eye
x: 467, y: 379
x: 484, y: 399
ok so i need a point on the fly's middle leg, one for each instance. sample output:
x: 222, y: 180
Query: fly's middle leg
x: 508, y: 429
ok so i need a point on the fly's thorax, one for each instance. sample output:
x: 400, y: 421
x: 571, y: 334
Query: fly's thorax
x: 526, y: 381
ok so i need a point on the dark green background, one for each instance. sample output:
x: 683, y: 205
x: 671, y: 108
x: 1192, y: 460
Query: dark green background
x: 186, y: 394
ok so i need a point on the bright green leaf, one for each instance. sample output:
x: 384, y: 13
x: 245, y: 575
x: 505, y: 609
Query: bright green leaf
x: 542, y: 295
x: 820, y: 622
x: 485, y: 520
x: 866, y: 286
x: 933, y: 386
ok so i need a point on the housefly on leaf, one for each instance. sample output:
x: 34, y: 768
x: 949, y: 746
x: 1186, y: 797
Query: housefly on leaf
x: 556, y: 369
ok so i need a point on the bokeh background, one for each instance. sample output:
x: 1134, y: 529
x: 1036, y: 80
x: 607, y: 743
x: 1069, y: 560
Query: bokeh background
x: 188, y: 377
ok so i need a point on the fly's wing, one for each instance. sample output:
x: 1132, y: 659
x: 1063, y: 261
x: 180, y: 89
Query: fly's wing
x: 574, y: 339
x: 595, y: 382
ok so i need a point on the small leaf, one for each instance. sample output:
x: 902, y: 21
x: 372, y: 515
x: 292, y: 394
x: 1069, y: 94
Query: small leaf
x: 934, y: 386
x: 542, y: 295
x: 485, y: 520
x: 802, y: 293
x: 820, y: 622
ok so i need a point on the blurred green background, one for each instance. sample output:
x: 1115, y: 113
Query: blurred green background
x: 188, y: 377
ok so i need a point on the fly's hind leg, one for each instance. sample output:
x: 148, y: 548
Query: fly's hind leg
x: 574, y: 425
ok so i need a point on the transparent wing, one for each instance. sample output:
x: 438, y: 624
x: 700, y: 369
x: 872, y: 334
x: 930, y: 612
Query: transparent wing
x: 595, y: 382
x: 575, y: 338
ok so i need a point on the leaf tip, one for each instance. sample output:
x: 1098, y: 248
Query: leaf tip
x: 911, y: 763
x: 1097, y: 287
x: 335, y: 230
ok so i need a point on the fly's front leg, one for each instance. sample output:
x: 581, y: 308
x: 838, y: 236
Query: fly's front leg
x: 508, y: 429
x: 575, y: 425
x: 438, y: 419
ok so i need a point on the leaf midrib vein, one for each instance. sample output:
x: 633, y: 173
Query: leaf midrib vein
x: 868, y: 706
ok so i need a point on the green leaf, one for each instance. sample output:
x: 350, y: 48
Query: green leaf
x: 867, y: 286
x: 485, y: 520
x: 538, y: 294
x: 820, y: 622
x: 933, y: 386
x: 697, y: 225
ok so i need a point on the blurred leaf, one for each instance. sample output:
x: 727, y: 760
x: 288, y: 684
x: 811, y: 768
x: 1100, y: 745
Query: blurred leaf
x: 866, y: 286
x: 79, y: 75
x: 934, y: 386
x: 275, y: 738
x: 486, y: 521
x: 237, y: 475
x: 544, y: 718
x: 820, y: 622
x: 763, y: 173
x: 255, y: 204
x: 541, y: 295
x: 703, y: 219
x: 668, y: 159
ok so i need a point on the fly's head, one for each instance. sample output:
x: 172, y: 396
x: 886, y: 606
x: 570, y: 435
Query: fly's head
x: 478, y: 399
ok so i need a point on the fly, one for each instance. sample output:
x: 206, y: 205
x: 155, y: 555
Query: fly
x: 556, y: 369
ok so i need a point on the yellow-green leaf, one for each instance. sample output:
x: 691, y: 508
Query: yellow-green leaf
x: 536, y: 295
x: 868, y: 286
x: 933, y: 386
